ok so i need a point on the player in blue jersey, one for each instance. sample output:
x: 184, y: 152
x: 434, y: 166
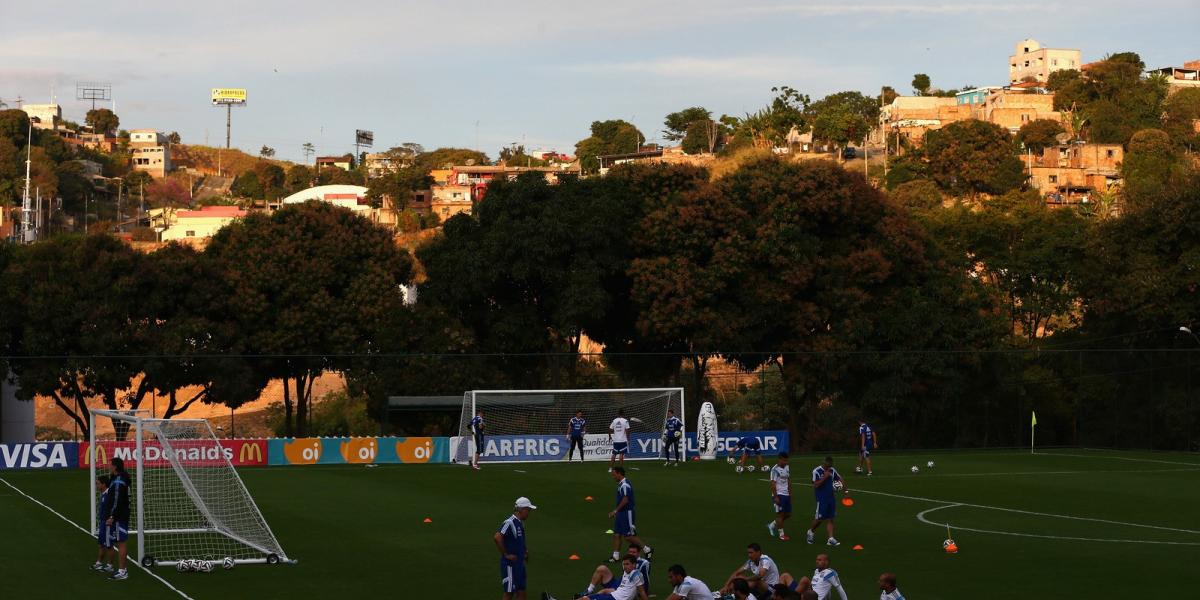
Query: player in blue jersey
x: 118, y: 518
x: 672, y: 436
x: 477, y: 427
x: 576, y: 429
x: 603, y: 577
x: 510, y: 541
x: 103, y: 510
x: 624, y: 518
x: 822, y: 479
x: 750, y: 445
x: 868, y: 440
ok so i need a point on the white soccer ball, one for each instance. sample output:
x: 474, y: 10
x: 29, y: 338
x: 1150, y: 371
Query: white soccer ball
x: 730, y: 460
x: 915, y: 469
x: 206, y: 566
x: 765, y: 468
x: 929, y: 464
x: 181, y: 566
x: 837, y: 485
x: 739, y: 468
x: 228, y: 563
x: 678, y: 434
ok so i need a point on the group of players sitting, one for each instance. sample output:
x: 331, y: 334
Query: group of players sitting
x: 759, y: 578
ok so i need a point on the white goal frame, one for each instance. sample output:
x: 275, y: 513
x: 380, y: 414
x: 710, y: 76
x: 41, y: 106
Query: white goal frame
x: 138, y: 426
x: 469, y: 440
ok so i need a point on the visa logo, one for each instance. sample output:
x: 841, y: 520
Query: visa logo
x: 33, y: 456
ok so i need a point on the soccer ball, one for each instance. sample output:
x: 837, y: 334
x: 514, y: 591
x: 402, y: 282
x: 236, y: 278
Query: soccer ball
x: 950, y: 547
x: 948, y: 543
x: 915, y: 469
x: 206, y: 566
x: 730, y: 460
x: 678, y: 434
x: 182, y: 566
x: 837, y: 486
x: 929, y: 464
x: 739, y: 468
x: 228, y: 563
x: 765, y: 468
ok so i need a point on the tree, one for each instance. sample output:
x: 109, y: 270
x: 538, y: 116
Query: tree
x: 271, y: 177
x: 398, y: 186
x: 102, y: 120
x: 1039, y: 134
x: 770, y: 126
x: 1112, y: 97
x: 167, y: 193
x: 919, y: 196
x: 1182, y: 120
x: 677, y: 123
x: 14, y: 126
x: 608, y: 137
x: 174, y: 137
x: 298, y: 177
x: 887, y: 95
x: 920, y: 84
x: 304, y: 286
x: 443, y: 157
x: 308, y: 149
x: 266, y: 151
x: 844, y: 117
x: 1150, y: 165
x: 973, y: 157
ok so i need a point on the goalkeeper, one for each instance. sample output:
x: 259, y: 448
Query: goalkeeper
x: 672, y: 436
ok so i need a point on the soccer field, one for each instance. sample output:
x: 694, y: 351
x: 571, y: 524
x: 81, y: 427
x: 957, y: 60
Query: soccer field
x: 1064, y: 523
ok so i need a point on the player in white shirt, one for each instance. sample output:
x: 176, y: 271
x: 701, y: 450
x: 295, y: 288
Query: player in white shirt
x: 759, y: 571
x: 781, y: 495
x: 887, y: 587
x: 685, y: 587
x: 618, y: 436
x: 825, y: 579
x: 631, y: 585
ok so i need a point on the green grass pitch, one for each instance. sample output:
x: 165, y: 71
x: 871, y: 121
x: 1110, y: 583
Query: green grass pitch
x: 1058, y: 524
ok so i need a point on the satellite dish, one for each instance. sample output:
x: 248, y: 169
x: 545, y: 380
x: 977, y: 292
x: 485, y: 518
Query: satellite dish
x: 1063, y: 138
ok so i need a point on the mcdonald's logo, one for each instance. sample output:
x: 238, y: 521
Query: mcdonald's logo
x: 251, y: 453
x: 96, y: 452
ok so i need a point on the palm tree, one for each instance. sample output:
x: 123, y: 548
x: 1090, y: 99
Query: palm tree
x: 309, y: 150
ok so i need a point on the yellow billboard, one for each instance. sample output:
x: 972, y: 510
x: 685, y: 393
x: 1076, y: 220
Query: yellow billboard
x: 228, y: 96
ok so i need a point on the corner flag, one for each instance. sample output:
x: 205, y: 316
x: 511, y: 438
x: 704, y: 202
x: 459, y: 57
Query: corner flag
x: 1032, y: 428
x: 1033, y: 416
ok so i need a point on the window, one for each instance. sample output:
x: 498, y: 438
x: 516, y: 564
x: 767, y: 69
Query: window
x: 1026, y: 49
x: 1054, y: 179
x: 1054, y: 62
x: 1109, y: 153
x: 190, y: 233
x: 1026, y: 63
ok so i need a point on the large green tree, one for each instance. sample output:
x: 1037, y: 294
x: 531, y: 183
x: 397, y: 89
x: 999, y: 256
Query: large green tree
x: 971, y: 157
x: 614, y: 136
x: 102, y: 120
x: 1039, y: 134
x: 1182, y: 118
x: 844, y: 118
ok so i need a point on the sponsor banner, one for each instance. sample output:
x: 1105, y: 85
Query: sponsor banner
x: 196, y: 453
x: 39, y: 455
x: 228, y: 95
x: 512, y: 448
x: 357, y: 451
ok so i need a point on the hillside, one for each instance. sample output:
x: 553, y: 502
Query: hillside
x: 233, y: 162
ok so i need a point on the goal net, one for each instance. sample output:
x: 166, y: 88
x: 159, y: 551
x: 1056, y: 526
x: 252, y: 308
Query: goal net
x: 187, y: 501
x: 532, y: 425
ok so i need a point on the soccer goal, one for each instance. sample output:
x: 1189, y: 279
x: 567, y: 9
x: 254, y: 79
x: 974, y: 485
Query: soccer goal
x: 187, y: 501
x: 531, y: 425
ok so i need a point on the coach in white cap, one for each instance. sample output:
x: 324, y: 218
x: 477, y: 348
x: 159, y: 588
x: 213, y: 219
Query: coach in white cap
x: 510, y: 541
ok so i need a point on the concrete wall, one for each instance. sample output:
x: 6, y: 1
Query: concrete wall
x: 16, y: 417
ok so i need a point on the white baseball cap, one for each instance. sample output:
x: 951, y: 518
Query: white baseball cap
x: 524, y: 502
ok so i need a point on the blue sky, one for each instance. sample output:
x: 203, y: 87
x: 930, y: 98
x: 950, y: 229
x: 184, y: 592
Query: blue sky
x: 538, y: 71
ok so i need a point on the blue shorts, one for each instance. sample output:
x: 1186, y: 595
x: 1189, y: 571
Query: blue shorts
x: 826, y: 509
x: 478, y: 443
x: 620, y: 448
x: 102, y: 538
x: 623, y: 523
x: 755, y: 450
x: 512, y: 575
x: 785, y: 504
x: 611, y: 584
x: 866, y: 450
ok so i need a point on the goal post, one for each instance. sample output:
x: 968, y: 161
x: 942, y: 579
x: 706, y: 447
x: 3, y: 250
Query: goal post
x: 188, y: 501
x: 531, y: 425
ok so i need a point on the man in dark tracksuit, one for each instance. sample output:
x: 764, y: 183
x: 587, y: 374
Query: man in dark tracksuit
x: 118, y: 519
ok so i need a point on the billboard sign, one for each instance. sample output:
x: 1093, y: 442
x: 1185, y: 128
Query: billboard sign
x: 39, y: 455
x: 222, y: 96
x: 241, y: 453
x: 362, y: 137
x: 358, y: 451
x: 514, y: 448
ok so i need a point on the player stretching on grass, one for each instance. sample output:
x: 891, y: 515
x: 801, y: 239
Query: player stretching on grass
x: 118, y: 518
x: 825, y: 579
x: 618, y: 436
x: 781, y: 494
x: 603, y: 577
x: 686, y: 588
x: 672, y: 435
x: 576, y: 428
x: 623, y: 517
x: 887, y: 587
x: 867, y: 441
x: 510, y: 541
x: 631, y: 586
x: 823, y: 477
x: 104, y: 555
x: 747, y: 445
x: 477, y: 427
x: 760, y: 572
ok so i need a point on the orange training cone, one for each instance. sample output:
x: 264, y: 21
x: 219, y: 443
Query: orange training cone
x: 574, y: 557
x: 847, y: 502
x: 427, y: 520
x: 857, y: 547
x: 589, y: 498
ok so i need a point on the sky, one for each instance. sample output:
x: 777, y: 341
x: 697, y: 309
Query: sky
x: 485, y: 74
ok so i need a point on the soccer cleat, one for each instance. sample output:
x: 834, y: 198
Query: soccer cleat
x: 677, y: 463
x: 833, y: 542
x: 783, y: 537
x: 870, y: 473
x: 119, y: 575
x: 810, y: 537
x: 108, y: 568
x: 476, y: 467
x: 858, y: 469
x: 667, y: 464
x: 97, y: 567
x: 771, y: 528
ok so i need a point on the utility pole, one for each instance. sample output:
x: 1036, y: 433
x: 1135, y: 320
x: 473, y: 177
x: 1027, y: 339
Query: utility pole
x: 28, y: 233
x: 228, y: 123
